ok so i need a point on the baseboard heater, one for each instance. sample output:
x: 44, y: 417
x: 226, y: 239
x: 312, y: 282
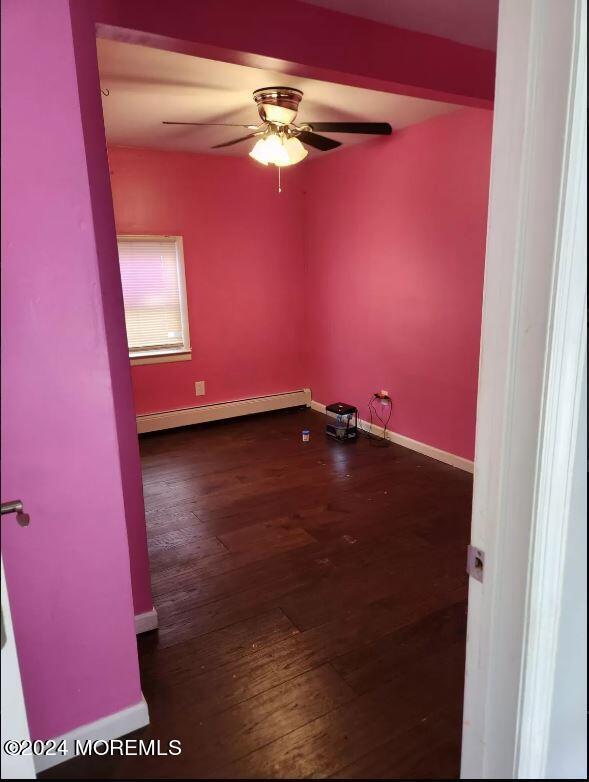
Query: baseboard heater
x: 186, y: 416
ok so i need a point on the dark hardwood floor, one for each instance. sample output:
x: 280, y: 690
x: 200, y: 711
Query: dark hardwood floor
x: 312, y: 607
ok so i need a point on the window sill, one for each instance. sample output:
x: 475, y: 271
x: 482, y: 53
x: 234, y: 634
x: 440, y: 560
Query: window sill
x: 160, y: 357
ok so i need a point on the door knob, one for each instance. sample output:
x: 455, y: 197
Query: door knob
x: 16, y: 506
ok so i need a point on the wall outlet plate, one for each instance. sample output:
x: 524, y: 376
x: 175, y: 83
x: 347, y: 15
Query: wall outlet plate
x: 199, y: 387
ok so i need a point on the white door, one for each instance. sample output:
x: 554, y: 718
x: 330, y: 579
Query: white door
x: 13, y: 716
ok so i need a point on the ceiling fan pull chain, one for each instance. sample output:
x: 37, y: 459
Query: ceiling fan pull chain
x: 279, y: 187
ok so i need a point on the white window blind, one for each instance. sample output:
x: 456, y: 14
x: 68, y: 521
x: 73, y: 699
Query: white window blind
x: 152, y: 274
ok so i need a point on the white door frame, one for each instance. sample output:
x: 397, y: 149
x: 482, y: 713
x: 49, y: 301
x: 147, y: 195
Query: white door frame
x: 13, y: 715
x: 532, y: 362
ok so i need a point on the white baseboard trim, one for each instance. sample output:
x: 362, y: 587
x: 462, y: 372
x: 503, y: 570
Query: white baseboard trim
x: 427, y: 450
x: 199, y: 415
x: 146, y: 621
x: 111, y: 727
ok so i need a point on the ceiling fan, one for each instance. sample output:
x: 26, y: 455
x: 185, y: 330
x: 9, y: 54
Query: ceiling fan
x: 280, y: 142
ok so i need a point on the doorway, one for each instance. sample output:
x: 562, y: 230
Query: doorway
x: 317, y: 570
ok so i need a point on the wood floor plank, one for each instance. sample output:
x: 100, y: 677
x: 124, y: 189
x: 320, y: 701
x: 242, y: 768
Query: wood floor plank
x: 428, y: 750
x: 268, y: 538
x: 260, y: 719
x: 276, y: 712
x: 270, y: 666
x: 340, y: 737
x: 367, y: 668
x: 180, y: 546
x: 311, y: 601
x: 207, y: 652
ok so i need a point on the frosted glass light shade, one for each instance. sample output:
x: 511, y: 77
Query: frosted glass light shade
x: 259, y: 152
x: 274, y: 149
x: 270, y: 150
x: 295, y: 150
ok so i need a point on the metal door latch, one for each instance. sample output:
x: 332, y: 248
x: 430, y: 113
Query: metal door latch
x: 16, y: 506
x: 475, y: 562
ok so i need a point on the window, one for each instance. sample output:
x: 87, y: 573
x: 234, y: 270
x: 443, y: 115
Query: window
x: 154, y: 290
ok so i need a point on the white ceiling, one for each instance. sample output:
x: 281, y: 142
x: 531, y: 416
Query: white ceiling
x: 473, y: 22
x: 149, y: 85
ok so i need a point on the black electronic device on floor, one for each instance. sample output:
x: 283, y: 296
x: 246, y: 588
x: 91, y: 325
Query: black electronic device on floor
x: 342, y: 421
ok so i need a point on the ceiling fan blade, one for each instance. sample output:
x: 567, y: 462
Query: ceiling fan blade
x: 213, y: 124
x: 237, y: 140
x: 318, y: 142
x: 373, y: 128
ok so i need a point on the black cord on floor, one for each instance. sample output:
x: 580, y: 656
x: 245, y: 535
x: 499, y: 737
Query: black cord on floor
x: 374, y: 439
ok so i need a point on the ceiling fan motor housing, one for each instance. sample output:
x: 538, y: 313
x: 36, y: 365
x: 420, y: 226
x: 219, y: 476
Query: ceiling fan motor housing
x: 278, y: 105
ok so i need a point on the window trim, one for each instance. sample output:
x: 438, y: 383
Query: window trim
x: 165, y: 355
x: 161, y: 357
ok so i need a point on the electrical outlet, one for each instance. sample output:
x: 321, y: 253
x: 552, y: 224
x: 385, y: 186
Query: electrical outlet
x: 199, y: 387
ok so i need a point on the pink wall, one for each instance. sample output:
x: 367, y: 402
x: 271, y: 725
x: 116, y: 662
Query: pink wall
x: 243, y: 257
x: 395, y: 250
x: 112, y: 298
x: 68, y: 572
x: 372, y: 279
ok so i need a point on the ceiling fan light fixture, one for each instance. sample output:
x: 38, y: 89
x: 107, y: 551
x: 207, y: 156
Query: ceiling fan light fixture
x: 270, y: 150
x: 259, y: 153
x: 278, y: 151
x: 295, y: 150
x: 280, y: 142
